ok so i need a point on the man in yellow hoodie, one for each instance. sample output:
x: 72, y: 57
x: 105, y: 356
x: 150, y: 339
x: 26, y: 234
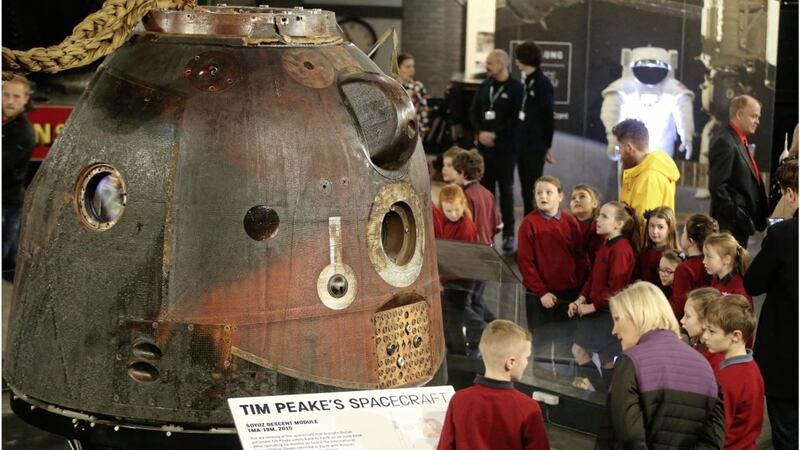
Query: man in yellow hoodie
x: 650, y: 176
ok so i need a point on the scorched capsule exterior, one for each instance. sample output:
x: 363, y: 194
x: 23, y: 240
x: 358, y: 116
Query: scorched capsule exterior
x: 238, y: 206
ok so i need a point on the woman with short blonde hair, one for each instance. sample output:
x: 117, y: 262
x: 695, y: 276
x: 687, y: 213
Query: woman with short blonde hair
x: 645, y: 305
x: 663, y: 393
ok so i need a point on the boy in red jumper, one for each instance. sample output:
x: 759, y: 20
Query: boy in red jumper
x: 729, y: 324
x: 467, y: 172
x: 552, y: 260
x: 491, y: 414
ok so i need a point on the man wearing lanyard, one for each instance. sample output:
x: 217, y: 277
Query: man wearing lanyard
x: 535, y: 131
x: 738, y: 198
x: 494, y: 115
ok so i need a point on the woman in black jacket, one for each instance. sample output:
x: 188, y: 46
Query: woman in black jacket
x: 663, y: 393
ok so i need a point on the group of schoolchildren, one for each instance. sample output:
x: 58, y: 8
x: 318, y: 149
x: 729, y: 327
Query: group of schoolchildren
x: 573, y: 262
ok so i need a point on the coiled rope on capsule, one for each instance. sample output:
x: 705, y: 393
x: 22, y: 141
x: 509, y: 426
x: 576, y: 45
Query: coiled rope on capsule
x: 98, y: 35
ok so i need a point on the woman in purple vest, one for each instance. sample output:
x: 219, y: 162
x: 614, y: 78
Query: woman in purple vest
x: 663, y: 393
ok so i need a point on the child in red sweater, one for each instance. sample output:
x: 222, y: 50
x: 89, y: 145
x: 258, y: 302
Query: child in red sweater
x: 438, y: 221
x: 552, y: 261
x: 693, y: 322
x: 455, y: 293
x: 611, y: 272
x: 691, y: 274
x: 491, y: 414
x: 467, y: 171
x: 726, y: 261
x: 467, y: 167
x: 669, y: 262
x: 730, y: 322
x: 584, y: 204
x: 458, y: 226
x: 661, y: 235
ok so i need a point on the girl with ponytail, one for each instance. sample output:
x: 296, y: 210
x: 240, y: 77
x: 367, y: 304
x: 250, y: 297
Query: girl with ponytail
x: 726, y: 261
x: 611, y: 272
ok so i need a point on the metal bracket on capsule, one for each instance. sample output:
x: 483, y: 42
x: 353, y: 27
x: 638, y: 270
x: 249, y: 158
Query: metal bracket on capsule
x: 337, y: 285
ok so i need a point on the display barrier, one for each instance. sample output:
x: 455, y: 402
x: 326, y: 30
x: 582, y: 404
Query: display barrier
x: 474, y: 273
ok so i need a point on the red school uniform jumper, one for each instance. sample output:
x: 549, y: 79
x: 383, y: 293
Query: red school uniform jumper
x: 551, y: 254
x: 484, y: 211
x: 743, y: 392
x: 731, y: 283
x: 714, y: 359
x: 492, y: 415
x: 591, y: 240
x: 648, y: 264
x: 611, y: 271
x: 462, y: 230
x: 438, y: 221
x: 689, y: 275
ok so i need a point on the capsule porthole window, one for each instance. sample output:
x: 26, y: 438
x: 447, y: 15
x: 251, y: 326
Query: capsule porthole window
x: 100, y: 196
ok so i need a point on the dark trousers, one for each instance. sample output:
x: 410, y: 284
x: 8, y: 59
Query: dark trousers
x: 553, y: 331
x: 478, y: 315
x: 11, y: 223
x: 455, y: 313
x: 783, y: 419
x: 530, y: 167
x: 499, y: 171
x: 741, y: 236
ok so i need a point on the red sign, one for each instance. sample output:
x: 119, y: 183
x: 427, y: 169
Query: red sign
x: 47, y: 121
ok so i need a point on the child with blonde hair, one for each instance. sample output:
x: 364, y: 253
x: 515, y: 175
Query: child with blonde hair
x: 726, y: 261
x: 730, y: 323
x: 661, y: 235
x: 515, y: 418
x: 693, y: 321
x: 691, y: 274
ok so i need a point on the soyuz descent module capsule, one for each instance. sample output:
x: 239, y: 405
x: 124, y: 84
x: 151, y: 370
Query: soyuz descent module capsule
x: 238, y: 206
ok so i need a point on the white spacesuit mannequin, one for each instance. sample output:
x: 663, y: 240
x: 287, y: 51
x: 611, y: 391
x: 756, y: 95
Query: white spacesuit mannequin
x: 648, y: 91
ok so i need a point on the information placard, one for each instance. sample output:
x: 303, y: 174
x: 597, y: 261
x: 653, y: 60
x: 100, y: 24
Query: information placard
x: 392, y: 419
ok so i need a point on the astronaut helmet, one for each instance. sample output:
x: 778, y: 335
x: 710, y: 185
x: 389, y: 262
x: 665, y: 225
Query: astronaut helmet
x: 652, y: 65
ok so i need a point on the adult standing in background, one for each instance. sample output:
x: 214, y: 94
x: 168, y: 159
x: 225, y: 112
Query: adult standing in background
x: 495, y: 115
x: 535, y: 131
x: 650, y: 176
x: 415, y: 89
x: 738, y: 195
x: 18, y: 142
x: 774, y: 271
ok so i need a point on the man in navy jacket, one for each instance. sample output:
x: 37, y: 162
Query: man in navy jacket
x: 495, y: 115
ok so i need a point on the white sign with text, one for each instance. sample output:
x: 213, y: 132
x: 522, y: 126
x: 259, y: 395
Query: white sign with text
x: 391, y: 419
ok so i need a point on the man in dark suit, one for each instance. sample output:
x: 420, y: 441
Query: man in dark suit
x: 738, y: 197
x: 774, y: 271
